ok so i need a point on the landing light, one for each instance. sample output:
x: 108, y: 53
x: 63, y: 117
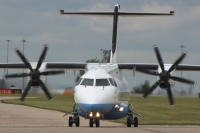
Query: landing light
x: 97, y: 114
x: 121, y: 109
x: 116, y: 106
x: 91, y: 114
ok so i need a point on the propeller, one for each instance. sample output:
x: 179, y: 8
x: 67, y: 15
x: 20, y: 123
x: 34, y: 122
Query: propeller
x: 34, y: 74
x: 165, y: 75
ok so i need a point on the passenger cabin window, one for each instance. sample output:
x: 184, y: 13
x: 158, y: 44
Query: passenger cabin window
x: 102, y: 82
x: 87, y: 82
x: 112, y: 81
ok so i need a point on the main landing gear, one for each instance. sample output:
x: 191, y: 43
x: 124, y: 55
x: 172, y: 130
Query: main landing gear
x: 74, y: 119
x: 130, y: 119
x: 94, y: 121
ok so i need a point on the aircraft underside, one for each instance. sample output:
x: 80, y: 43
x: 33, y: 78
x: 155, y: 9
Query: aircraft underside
x: 97, y: 112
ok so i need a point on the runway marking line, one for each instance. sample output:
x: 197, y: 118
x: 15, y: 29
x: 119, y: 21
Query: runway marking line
x: 154, y: 131
x: 6, y: 116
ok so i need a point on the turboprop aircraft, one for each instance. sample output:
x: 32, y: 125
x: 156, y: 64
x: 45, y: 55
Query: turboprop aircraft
x: 102, y: 92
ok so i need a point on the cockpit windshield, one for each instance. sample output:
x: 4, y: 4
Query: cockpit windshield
x: 112, y: 81
x: 87, y: 82
x: 79, y: 81
x: 99, y: 82
x: 102, y: 82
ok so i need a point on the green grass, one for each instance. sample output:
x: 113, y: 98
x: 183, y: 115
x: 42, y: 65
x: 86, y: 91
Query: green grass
x: 156, y: 110
x: 61, y: 102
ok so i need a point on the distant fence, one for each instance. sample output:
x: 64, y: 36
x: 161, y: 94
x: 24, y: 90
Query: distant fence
x: 10, y: 91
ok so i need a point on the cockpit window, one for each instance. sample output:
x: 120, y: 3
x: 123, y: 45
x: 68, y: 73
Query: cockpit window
x: 87, y: 82
x: 79, y: 81
x: 112, y: 81
x: 102, y: 82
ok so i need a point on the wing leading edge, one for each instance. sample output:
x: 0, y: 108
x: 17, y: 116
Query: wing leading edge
x: 81, y: 66
x: 66, y: 65
x: 13, y: 66
x: 145, y: 66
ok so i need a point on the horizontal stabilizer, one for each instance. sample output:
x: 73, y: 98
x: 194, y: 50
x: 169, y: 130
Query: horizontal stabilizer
x: 123, y: 14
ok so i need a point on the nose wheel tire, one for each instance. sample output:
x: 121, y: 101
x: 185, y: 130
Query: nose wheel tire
x: 91, y: 123
x: 94, y: 121
x: 97, y: 121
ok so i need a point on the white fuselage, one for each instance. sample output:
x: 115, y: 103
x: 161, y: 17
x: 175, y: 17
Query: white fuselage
x: 100, y: 89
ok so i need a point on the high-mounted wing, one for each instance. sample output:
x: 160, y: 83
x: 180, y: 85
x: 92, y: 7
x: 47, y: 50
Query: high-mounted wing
x: 180, y: 67
x: 66, y: 65
x: 13, y: 66
x: 130, y: 66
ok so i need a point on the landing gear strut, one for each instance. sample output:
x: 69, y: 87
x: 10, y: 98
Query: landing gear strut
x: 94, y: 121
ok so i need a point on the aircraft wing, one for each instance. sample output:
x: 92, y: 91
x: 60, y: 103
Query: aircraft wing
x: 82, y: 65
x: 66, y: 65
x: 136, y: 66
x: 13, y: 66
x: 54, y: 65
x: 187, y: 67
x: 150, y: 66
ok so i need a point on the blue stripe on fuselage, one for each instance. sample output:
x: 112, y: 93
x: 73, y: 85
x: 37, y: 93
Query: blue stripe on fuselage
x: 109, y: 111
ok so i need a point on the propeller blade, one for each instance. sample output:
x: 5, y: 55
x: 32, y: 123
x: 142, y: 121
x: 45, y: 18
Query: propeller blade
x: 23, y: 58
x: 149, y: 72
x: 170, y: 96
x: 177, y: 62
x: 159, y: 58
x: 51, y: 72
x: 183, y: 80
x: 42, y: 56
x: 17, y: 75
x: 151, y: 89
x: 45, y: 90
x: 26, y: 91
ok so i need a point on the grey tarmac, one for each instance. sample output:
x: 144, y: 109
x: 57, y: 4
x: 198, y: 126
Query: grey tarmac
x: 22, y: 119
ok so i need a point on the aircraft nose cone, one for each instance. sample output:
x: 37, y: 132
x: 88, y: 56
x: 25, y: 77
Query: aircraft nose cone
x: 97, y: 99
x: 95, y: 95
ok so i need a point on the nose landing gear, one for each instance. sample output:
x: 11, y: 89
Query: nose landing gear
x: 94, y: 121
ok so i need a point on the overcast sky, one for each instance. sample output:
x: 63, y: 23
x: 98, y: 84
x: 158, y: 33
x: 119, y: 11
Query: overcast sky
x: 76, y: 38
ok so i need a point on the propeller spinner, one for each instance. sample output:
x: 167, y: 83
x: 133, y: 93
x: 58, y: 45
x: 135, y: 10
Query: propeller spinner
x: 34, y: 73
x: 165, y: 76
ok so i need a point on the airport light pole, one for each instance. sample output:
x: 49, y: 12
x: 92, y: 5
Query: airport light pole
x: 101, y: 54
x: 8, y: 41
x: 23, y: 44
x: 23, y: 41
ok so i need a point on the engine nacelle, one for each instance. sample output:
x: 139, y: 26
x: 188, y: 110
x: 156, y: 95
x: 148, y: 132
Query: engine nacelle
x: 42, y: 68
x: 163, y: 85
